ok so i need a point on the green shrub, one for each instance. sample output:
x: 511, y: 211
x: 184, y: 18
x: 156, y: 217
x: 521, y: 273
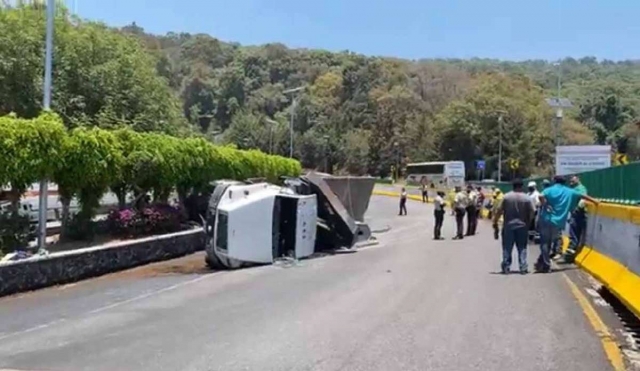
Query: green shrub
x: 86, y: 162
x: 15, y: 232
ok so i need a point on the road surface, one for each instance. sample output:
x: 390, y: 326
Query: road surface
x: 409, y: 303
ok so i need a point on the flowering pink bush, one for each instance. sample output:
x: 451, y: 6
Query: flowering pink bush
x: 154, y: 219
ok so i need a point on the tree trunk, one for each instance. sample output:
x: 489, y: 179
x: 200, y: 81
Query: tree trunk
x: 161, y: 196
x: 64, y: 220
x: 14, y: 197
x: 182, y: 198
x: 121, y: 194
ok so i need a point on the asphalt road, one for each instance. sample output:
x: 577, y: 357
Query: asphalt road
x: 409, y: 303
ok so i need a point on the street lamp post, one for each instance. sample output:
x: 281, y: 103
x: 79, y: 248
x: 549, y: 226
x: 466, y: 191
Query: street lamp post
x: 326, y: 154
x: 558, y: 103
x: 293, y: 114
x: 500, y: 120
x: 271, y: 122
x: 395, y: 147
x: 46, y: 105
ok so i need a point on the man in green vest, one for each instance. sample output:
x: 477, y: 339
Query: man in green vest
x: 578, y: 220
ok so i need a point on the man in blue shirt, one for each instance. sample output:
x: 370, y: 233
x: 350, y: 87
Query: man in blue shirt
x: 557, y: 202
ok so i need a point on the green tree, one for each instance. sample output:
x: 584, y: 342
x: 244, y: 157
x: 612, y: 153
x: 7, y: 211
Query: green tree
x: 470, y: 129
x: 29, y: 150
x: 90, y: 161
x: 101, y: 77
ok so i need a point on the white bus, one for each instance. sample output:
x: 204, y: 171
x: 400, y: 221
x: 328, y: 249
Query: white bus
x: 443, y: 174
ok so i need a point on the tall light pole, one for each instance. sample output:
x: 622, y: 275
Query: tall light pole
x: 46, y: 105
x: 326, y: 153
x: 559, y: 110
x: 500, y: 120
x: 559, y: 104
x: 271, y: 124
x: 293, y: 114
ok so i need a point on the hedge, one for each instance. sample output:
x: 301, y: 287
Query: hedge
x: 87, y: 162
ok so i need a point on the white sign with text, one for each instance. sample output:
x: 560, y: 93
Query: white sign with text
x: 578, y: 159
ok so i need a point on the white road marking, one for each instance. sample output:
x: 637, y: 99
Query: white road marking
x: 601, y: 302
x: 111, y: 306
x: 592, y: 292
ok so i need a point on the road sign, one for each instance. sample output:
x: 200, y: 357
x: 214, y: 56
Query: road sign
x: 620, y: 159
x: 578, y: 159
x: 480, y: 164
x: 514, y: 164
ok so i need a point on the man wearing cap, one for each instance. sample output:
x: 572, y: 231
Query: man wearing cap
x: 556, y: 202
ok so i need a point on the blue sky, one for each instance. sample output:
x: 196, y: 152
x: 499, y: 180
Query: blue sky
x: 504, y: 29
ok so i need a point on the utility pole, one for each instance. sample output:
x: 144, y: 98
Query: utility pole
x: 294, y: 103
x: 271, y: 124
x: 500, y: 148
x: 559, y: 111
x: 558, y: 104
x: 326, y: 154
x: 46, y: 105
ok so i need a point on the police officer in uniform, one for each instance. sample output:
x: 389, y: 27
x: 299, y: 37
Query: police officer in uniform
x: 460, y: 203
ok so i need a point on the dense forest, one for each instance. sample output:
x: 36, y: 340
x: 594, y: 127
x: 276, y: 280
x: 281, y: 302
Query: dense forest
x: 356, y: 114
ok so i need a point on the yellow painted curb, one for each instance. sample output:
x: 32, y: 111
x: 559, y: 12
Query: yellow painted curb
x: 629, y: 214
x: 622, y: 282
x: 565, y: 244
x: 609, y: 344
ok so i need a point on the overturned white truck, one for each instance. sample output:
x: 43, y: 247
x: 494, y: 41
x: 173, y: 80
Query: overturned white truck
x: 249, y: 224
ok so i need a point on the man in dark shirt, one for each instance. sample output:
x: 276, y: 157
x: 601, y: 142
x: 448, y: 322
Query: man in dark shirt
x: 518, y: 212
x: 438, y: 213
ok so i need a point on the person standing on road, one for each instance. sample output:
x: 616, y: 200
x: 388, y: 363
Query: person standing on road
x: 534, y: 195
x: 451, y: 197
x: 425, y: 192
x: 403, y: 202
x: 554, y: 250
x: 518, y: 212
x: 460, y: 203
x: 556, y: 202
x: 577, y: 221
x: 495, y: 200
x: 479, y: 204
x: 472, y: 201
x: 438, y: 213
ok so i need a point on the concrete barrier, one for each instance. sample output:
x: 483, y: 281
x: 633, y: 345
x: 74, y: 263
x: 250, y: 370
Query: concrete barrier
x: 74, y: 265
x: 611, y: 251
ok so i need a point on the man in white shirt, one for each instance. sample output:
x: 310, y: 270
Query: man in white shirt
x: 472, y: 204
x: 460, y: 203
x: 534, y: 196
x: 403, y: 202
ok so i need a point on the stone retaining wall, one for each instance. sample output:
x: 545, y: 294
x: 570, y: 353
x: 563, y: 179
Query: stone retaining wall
x: 70, y: 266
